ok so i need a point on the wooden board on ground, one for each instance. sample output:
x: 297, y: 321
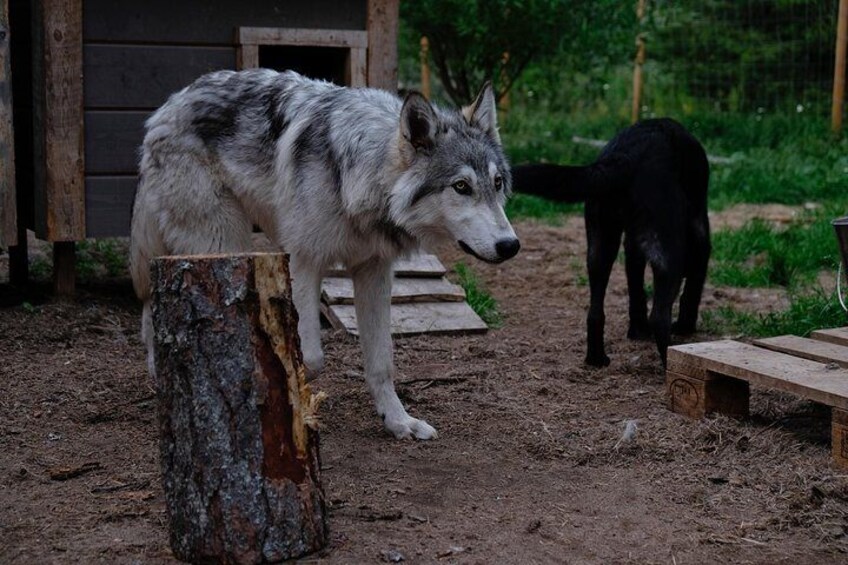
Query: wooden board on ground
x: 422, y: 265
x: 813, y: 349
x: 838, y: 336
x: 416, y: 318
x: 339, y: 290
x: 758, y: 366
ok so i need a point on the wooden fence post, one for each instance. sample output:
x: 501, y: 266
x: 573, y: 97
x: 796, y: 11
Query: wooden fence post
x: 637, y: 66
x: 8, y: 202
x: 839, y: 67
x: 238, y: 428
x: 424, y: 56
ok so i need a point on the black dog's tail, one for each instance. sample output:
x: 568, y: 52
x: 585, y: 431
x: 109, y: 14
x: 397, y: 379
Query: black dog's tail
x: 559, y: 183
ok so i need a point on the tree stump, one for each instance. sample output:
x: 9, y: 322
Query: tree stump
x: 239, y: 440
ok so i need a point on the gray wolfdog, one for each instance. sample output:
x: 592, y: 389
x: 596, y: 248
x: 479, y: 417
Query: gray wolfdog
x: 330, y: 174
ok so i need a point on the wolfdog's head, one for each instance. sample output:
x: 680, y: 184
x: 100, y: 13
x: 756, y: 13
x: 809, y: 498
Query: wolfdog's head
x: 456, y: 178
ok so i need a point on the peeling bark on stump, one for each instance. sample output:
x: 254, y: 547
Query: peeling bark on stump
x: 239, y: 447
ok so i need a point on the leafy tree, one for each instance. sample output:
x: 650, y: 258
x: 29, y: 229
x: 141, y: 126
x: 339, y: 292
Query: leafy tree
x: 468, y: 38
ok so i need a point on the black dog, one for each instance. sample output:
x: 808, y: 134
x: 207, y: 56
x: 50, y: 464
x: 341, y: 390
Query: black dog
x: 649, y: 183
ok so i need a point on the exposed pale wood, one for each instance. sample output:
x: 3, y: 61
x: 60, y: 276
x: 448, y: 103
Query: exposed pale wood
x: 839, y: 336
x: 697, y: 397
x: 247, y: 57
x: 338, y: 290
x: 839, y: 437
x: 412, y: 319
x: 838, y: 99
x: 383, y: 44
x: 8, y: 200
x: 821, y: 351
x: 58, y: 120
x: 64, y: 269
x: 758, y: 366
x: 112, y: 141
x: 303, y: 37
x: 143, y: 76
x: 421, y: 265
x: 239, y: 439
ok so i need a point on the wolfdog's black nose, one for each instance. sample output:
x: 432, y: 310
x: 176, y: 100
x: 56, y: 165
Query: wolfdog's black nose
x: 507, y: 248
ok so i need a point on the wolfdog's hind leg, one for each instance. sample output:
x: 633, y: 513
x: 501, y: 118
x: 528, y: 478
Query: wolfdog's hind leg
x: 147, y: 337
x: 372, y: 284
x: 306, y: 293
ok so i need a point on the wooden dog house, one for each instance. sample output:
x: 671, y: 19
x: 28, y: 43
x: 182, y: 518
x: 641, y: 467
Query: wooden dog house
x: 85, y: 76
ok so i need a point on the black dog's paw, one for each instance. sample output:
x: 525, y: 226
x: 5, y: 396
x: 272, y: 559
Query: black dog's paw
x: 680, y: 328
x: 640, y: 332
x: 597, y: 360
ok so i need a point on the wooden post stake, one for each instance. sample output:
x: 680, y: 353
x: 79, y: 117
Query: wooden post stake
x: 504, y: 102
x: 239, y: 440
x: 8, y: 203
x: 839, y: 67
x: 425, y: 67
x: 64, y: 268
x: 637, y: 66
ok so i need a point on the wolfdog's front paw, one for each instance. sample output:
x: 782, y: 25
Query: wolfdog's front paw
x: 409, y: 427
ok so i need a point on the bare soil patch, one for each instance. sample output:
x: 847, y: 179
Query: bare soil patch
x: 529, y: 466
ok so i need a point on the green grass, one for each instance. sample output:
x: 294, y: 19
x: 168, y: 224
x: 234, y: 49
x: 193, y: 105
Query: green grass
x: 760, y: 256
x: 524, y: 206
x: 808, y: 311
x: 477, y: 296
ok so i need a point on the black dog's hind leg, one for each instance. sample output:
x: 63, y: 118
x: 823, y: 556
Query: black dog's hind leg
x: 603, y: 243
x: 696, y: 274
x: 666, y: 287
x: 634, y: 264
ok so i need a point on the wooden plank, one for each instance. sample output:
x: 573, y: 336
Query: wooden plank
x: 383, y: 44
x: 821, y: 351
x: 112, y: 141
x: 58, y: 120
x: 421, y: 265
x: 758, y: 366
x: 142, y: 77
x: 210, y: 22
x: 302, y: 37
x: 247, y: 57
x: 108, y: 205
x: 357, y: 68
x: 338, y: 290
x: 839, y: 336
x: 413, y: 319
x: 8, y: 200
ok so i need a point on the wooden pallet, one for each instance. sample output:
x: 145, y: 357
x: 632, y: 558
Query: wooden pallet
x: 702, y: 378
x: 423, y: 300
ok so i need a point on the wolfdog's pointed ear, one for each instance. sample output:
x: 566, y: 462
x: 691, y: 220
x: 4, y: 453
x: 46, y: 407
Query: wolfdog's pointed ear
x: 483, y: 112
x: 418, y: 122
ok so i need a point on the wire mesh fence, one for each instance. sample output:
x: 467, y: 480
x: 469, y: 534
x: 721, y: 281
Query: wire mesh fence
x: 740, y: 55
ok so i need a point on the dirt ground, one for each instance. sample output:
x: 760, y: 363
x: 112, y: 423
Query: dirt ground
x: 528, y: 467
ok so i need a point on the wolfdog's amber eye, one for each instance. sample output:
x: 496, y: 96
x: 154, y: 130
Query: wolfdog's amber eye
x: 462, y: 187
x: 498, y: 182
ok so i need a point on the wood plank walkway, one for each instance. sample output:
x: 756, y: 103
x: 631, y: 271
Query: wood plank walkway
x: 423, y: 300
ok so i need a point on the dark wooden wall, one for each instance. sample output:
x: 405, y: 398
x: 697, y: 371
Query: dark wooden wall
x: 136, y: 53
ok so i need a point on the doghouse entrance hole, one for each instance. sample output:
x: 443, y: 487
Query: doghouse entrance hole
x: 327, y: 63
